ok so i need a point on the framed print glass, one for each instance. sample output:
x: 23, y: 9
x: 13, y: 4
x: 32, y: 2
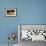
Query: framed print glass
x: 10, y: 11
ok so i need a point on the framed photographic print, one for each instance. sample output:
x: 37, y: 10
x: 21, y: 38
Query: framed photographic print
x: 10, y: 11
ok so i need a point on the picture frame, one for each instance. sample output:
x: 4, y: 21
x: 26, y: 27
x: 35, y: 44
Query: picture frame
x: 33, y: 30
x: 10, y: 11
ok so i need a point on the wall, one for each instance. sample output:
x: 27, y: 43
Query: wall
x: 34, y: 12
x: 8, y: 24
x: 28, y: 12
